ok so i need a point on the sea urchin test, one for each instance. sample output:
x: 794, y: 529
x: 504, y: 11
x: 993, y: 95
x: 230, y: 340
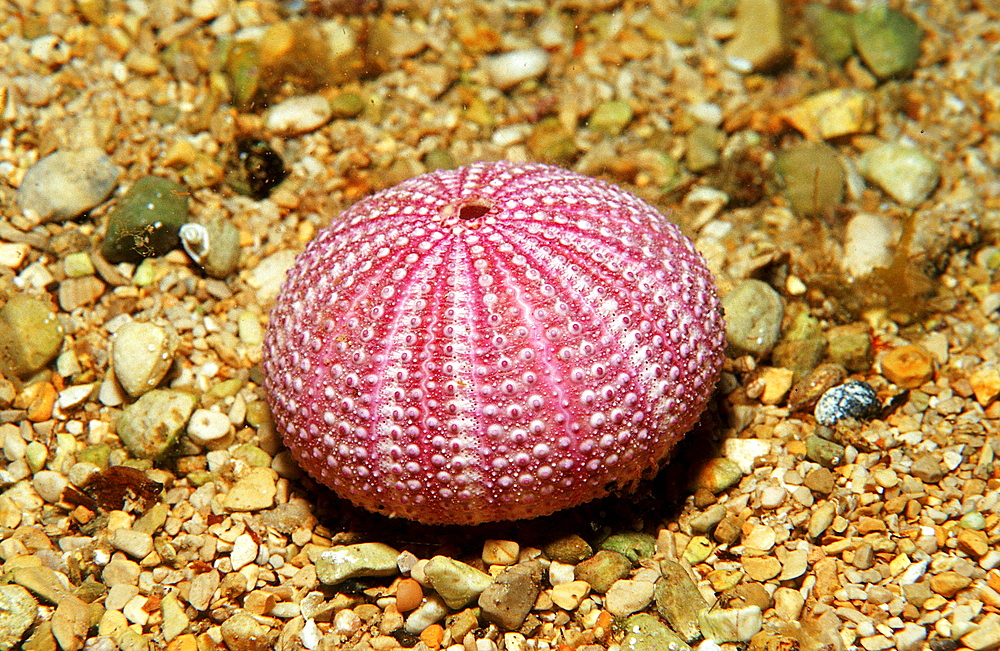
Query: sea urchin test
x: 494, y: 342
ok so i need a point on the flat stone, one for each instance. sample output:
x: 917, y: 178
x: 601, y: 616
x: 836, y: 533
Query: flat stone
x: 136, y: 544
x: 511, y: 68
x: 43, y: 582
x: 986, y: 636
x: 761, y: 568
x: 500, y: 552
x: 49, y: 485
x: 507, y: 601
x: 175, y: 620
x: 869, y: 239
x: 985, y: 384
x: 908, y: 367
x: 927, y: 468
x: 242, y: 632
x: 627, y: 596
x: 146, y: 222
x: 731, y: 624
x: 120, y: 571
x: 150, y: 426
x: 788, y: 604
x: 717, y: 475
x: 142, y: 353
x: 568, y: 596
x: 949, y: 583
x: 794, y: 565
x: 458, y: 583
x: 70, y: 623
x: 644, y: 632
x: 831, y: 114
x: 298, y: 114
x: 67, y: 183
x: 888, y: 40
x: 905, y: 173
x: 349, y: 561
x: 761, y: 38
x: 18, y: 610
x: 203, y: 587
x: 678, y: 600
x: 254, y: 491
x: 244, y: 551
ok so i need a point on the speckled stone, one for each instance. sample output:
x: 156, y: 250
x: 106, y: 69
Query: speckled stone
x: 18, y: 610
x: 678, y: 600
x: 507, y: 601
x: 149, y: 427
x: 644, y: 632
x: 603, y: 569
x: 754, y: 311
x: 363, y: 559
x: 146, y: 221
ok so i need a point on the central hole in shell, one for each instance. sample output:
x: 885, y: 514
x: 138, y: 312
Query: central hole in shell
x: 473, y: 210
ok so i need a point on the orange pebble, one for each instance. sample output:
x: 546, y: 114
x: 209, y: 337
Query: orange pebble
x: 432, y: 636
x: 409, y: 594
x: 42, y: 402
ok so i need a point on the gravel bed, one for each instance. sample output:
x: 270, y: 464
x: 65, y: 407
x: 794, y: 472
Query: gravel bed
x: 836, y: 165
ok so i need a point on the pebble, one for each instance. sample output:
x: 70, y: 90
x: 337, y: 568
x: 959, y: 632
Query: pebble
x: 788, y: 604
x: 703, y: 147
x: 853, y: 399
x: 432, y: 610
x: 142, y: 353
x: 254, y: 491
x: 908, y: 367
x: 18, y: 610
x: 507, y: 601
x: 120, y: 571
x: 745, y: 452
x: 568, y: 596
x: 70, y: 623
x: 150, y: 426
x: 147, y: 220
x: 458, y: 583
x: 215, y: 247
x: 644, y: 632
x: 500, y: 552
x: 409, y: 594
x: 628, y: 596
x: 868, y: 244
x: 210, y: 429
x: 611, y: 117
x: 814, y: 177
x: 888, y: 40
x: 678, y: 600
x: 949, y: 583
x: 832, y: 114
x: 904, y: 172
x: 985, y: 384
x: 761, y: 568
x: 349, y: 561
x: 820, y: 480
x: 269, y: 274
x: 697, y: 550
x: 49, y: 485
x: 633, y: 545
x: 824, y: 452
x: 831, y: 32
x: 927, y: 468
x: 602, y: 569
x: 772, y: 496
x: 66, y: 183
x: 718, y: 474
x: 298, y: 114
x: 705, y: 521
x: 241, y: 632
x: 731, y: 624
x: 986, y: 635
x: 136, y: 544
x: 511, y: 68
x: 754, y: 311
x: 761, y: 538
x: 30, y: 336
x: 203, y: 587
x: 78, y: 292
x: 761, y: 41
x: 244, y: 551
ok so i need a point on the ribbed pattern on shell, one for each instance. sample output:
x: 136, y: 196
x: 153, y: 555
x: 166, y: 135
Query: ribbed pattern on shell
x: 494, y: 342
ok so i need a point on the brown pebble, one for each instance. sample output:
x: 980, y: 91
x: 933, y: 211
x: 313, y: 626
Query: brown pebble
x: 761, y: 568
x: 807, y: 391
x: 973, y: 543
x: 820, y: 480
x: 409, y: 594
x: 908, y: 367
x: 867, y: 525
x: 948, y: 584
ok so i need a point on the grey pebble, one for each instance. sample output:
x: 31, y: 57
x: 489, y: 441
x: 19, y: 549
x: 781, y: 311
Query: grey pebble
x: 141, y: 355
x: 146, y: 221
x: 65, y: 184
x: 49, y: 485
x: 826, y: 453
x: 507, y: 601
x: 905, y: 173
x: 853, y: 399
x: 754, y: 311
x: 678, y: 600
x: 30, y: 336
x: 644, y: 632
x: 18, y: 610
x: 349, y: 561
x: 150, y: 426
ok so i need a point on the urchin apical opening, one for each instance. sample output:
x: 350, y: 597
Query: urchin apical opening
x: 473, y: 210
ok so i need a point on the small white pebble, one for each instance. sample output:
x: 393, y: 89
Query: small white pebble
x: 208, y: 428
x: 310, y: 635
x: 511, y: 68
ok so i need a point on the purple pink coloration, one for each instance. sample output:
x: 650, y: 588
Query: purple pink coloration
x: 495, y: 342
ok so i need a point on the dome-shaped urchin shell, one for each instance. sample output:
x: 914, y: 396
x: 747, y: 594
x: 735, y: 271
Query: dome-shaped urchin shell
x: 494, y: 342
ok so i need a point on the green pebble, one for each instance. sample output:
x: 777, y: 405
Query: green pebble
x: 611, y: 117
x: 831, y: 32
x: 973, y: 520
x: 347, y: 105
x: 200, y: 477
x: 145, y: 273
x: 632, y: 545
x: 754, y: 311
x: 698, y: 549
x: 644, y: 632
x: 825, y: 453
x: 226, y: 388
x: 344, y: 562
x: 146, y: 220
x: 853, y: 351
x: 799, y: 355
x: 30, y: 336
x: 258, y: 413
x: 678, y: 600
x: 439, y: 159
x: 252, y: 455
x: 243, y: 70
x: 704, y: 144
x: 569, y: 549
x: 36, y: 455
x: 150, y: 426
x: 96, y: 454
x: 814, y: 177
x: 717, y: 475
x: 551, y: 142
x: 602, y: 569
x: 78, y: 265
x: 887, y: 40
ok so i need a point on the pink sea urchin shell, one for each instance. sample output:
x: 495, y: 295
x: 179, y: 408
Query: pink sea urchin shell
x: 495, y: 342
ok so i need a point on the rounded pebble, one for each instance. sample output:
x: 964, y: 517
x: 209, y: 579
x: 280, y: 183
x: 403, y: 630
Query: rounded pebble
x: 142, y: 354
x: 854, y: 399
x: 209, y: 429
x: 511, y: 68
x: 150, y: 426
x: 754, y: 311
x: 30, y: 336
x: 66, y: 183
x: 298, y: 114
x: 18, y: 610
x: 147, y: 220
